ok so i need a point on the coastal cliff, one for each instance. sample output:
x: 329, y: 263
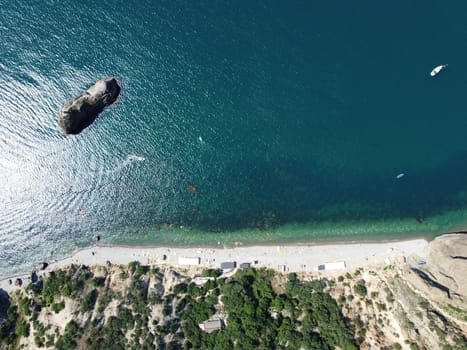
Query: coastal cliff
x: 443, y: 275
x: 419, y: 303
x: 136, y: 306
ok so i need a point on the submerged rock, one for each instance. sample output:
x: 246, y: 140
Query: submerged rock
x: 81, y: 111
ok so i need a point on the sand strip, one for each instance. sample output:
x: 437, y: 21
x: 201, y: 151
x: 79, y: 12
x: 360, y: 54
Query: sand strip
x: 286, y: 258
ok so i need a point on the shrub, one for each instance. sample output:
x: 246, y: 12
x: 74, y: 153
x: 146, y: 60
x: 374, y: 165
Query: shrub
x: 133, y: 265
x: 212, y: 273
x: 381, y: 307
x: 38, y: 341
x: 180, y: 288
x: 104, y: 300
x: 98, y: 281
x: 64, y: 283
x: 22, y: 329
x: 68, y: 340
x: 84, y: 276
x: 141, y: 270
x: 50, y: 341
x: 57, y: 307
x: 292, y: 277
x: 89, y: 301
x: 424, y: 304
x: 360, y: 289
x: 316, y: 285
x: 23, y: 304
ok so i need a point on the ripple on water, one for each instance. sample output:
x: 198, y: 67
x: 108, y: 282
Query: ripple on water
x: 285, y: 127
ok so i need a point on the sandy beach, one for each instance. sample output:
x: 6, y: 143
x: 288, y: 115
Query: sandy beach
x: 285, y: 258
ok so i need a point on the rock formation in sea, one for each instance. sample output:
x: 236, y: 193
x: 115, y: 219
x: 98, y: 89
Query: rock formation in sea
x: 81, y: 111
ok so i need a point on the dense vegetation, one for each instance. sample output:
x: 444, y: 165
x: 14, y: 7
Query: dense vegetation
x: 255, y: 316
x: 258, y: 318
x: 131, y: 308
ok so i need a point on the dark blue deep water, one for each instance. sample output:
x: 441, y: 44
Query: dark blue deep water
x: 239, y: 121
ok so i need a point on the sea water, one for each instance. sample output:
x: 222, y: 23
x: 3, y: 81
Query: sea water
x: 238, y: 123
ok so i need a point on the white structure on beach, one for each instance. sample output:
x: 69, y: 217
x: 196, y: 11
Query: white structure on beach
x: 338, y: 265
x: 189, y: 261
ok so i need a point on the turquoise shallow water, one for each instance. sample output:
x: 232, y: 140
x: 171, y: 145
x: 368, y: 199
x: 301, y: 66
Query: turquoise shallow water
x: 257, y: 121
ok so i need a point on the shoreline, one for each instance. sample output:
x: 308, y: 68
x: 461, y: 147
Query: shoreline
x: 288, y: 235
x: 304, y: 257
x: 240, y: 244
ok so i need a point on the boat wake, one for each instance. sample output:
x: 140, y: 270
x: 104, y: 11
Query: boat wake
x: 134, y: 158
x: 130, y: 159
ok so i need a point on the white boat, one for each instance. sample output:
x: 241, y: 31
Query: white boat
x: 135, y: 158
x: 401, y: 175
x: 438, y: 69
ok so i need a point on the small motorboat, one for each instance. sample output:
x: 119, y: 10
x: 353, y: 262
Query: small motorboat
x: 438, y: 69
x: 400, y: 176
x: 134, y: 158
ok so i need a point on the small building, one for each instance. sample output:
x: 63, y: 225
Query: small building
x: 332, y: 266
x: 211, y: 326
x: 228, y: 265
x: 189, y: 261
x: 245, y: 265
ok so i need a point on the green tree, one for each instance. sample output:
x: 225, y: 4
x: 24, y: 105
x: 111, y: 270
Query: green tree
x: 360, y: 289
